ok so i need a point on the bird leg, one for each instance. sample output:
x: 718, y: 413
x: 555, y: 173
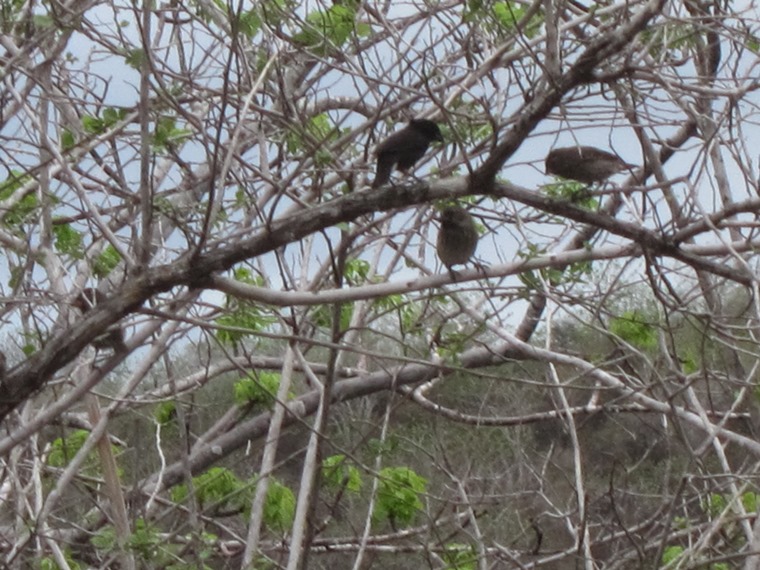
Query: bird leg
x: 453, y: 274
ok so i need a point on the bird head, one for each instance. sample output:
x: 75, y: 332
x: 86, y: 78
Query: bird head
x: 427, y: 128
x: 454, y: 216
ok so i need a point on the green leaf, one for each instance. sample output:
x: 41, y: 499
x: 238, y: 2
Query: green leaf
x: 573, y: 273
x: 530, y: 279
x: 508, y: 14
x: 574, y: 192
x: 68, y: 241
x: 356, y: 271
x: 715, y: 504
x: 391, y: 302
x: 312, y: 138
x: 459, y: 557
x: 749, y: 501
x: 167, y: 133
x: 24, y: 209
x: 477, y: 132
x: 241, y: 320
x: 98, y: 125
x: 68, y: 140
x: 689, y: 362
x: 105, y: 539
x: 43, y: 21
x: 205, y: 547
x: 752, y: 43
x: 667, y: 39
x: 17, y: 274
x: 474, y: 11
x: 672, y: 553
x: 634, y: 328
x: 249, y: 23
x: 166, y: 412
x: 453, y: 342
x: 273, y: 11
x: 106, y: 262
x: 379, y: 447
x: 257, y: 388
x: 408, y: 313
x: 63, y: 450
x: 93, y: 125
x: 112, y: 115
x: 363, y: 30
x: 398, y: 497
x: 146, y: 541
x: 327, y: 29
x: 49, y: 563
x: 337, y: 474
x: 323, y: 315
x: 134, y: 58
x: 279, y: 507
x: 248, y: 277
x: 218, y: 487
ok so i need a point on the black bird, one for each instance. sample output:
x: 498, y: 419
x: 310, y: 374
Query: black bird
x: 403, y: 148
x: 113, y: 337
x: 457, y: 238
x: 585, y: 164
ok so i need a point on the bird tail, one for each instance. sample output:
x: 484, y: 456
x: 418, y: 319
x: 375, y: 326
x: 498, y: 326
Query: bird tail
x: 383, y: 173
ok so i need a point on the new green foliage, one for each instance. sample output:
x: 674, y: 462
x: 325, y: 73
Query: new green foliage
x: 165, y: 413
x: 166, y: 133
x: 257, y: 388
x: 279, y: 507
x: 635, y: 328
x: 219, y: 491
x: 216, y: 489
x: 95, y: 125
x: 23, y: 210
x: 68, y: 240
x: 242, y: 318
x: 63, y: 449
x: 459, y: 557
x: 575, y: 192
x: 106, y: 262
x: 337, y: 473
x: 326, y: 30
x: 398, y: 495
x: 312, y: 137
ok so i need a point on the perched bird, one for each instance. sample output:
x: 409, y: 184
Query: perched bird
x: 585, y: 164
x: 457, y: 238
x: 403, y: 148
x: 113, y: 337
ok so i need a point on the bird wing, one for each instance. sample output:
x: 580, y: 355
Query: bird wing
x: 405, y: 141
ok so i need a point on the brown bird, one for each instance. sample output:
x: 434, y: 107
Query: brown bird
x: 457, y: 238
x: 403, y: 148
x: 113, y: 337
x: 585, y: 164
